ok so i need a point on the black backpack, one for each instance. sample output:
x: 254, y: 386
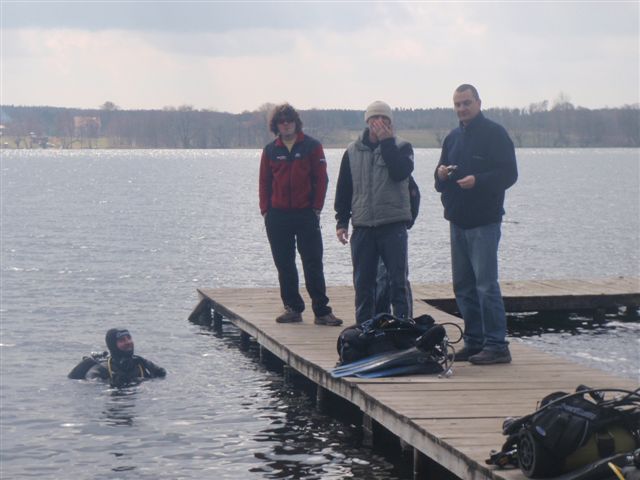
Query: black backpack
x: 556, y: 437
x: 383, y: 333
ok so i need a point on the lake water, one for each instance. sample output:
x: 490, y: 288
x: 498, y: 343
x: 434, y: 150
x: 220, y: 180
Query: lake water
x: 97, y: 239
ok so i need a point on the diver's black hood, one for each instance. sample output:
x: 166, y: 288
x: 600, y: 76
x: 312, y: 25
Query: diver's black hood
x: 111, y: 339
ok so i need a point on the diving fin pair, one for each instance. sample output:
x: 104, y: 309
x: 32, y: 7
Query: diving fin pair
x: 416, y: 359
x: 383, y: 360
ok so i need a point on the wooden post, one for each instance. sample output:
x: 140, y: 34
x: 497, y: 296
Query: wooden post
x: 217, y: 321
x: 367, y: 430
x: 321, y: 398
x: 245, y: 340
x: 420, y: 465
x: 287, y: 373
x: 202, y: 313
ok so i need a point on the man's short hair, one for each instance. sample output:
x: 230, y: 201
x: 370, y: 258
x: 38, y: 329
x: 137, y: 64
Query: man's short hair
x: 284, y: 111
x: 466, y: 86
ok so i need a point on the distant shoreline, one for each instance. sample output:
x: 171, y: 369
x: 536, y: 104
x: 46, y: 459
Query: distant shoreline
x: 562, y: 126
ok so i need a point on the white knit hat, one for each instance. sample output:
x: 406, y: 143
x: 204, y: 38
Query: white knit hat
x: 378, y: 108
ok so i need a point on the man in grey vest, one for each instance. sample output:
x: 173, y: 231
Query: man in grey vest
x: 373, y: 192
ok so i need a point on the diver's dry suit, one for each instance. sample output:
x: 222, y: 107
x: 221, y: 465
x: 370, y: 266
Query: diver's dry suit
x: 120, y: 367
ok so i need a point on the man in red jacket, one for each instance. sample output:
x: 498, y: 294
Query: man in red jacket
x: 293, y: 184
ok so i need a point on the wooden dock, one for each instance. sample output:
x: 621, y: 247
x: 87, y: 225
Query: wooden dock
x: 454, y: 422
x: 547, y: 295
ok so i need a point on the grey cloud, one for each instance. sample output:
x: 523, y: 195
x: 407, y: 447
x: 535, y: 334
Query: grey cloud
x: 190, y: 16
x: 564, y: 18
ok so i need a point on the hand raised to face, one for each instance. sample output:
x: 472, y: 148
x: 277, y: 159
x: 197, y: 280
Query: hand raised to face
x: 380, y: 127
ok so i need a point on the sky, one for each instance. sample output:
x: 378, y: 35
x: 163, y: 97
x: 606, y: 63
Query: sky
x: 238, y: 56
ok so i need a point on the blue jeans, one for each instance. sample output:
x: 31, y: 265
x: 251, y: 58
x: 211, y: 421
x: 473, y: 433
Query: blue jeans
x: 474, y: 264
x: 368, y: 244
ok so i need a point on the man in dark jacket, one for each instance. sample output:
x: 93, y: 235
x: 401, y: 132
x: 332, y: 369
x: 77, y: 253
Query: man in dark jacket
x: 373, y: 192
x: 477, y: 165
x: 292, y: 188
x: 121, y: 367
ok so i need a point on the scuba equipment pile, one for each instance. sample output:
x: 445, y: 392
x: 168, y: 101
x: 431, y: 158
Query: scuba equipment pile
x: 387, y: 346
x: 580, y: 434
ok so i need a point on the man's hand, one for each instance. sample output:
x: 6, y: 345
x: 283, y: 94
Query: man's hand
x: 343, y: 235
x: 467, y: 182
x: 443, y: 173
x: 381, y: 130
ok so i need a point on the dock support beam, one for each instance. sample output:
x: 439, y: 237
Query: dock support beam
x: 217, y: 321
x: 631, y: 311
x: 420, y: 465
x: 202, y: 313
x: 321, y: 398
x: 245, y: 340
x: 287, y: 373
x: 367, y: 430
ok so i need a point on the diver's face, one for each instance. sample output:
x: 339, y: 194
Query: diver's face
x: 125, y: 343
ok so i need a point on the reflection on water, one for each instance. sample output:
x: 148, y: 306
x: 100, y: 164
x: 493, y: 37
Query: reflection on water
x: 610, y: 343
x: 120, y: 408
x: 305, y: 443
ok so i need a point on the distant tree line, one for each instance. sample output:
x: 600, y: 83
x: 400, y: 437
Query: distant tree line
x: 538, y: 125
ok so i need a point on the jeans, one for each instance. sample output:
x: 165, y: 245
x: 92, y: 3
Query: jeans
x: 383, y: 291
x: 285, y: 229
x: 368, y: 244
x: 474, y: 264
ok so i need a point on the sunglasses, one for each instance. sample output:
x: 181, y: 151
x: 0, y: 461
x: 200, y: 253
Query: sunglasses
x: 285, y: 120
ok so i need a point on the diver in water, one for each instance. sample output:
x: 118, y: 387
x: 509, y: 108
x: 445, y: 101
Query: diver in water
x: 120, y: 367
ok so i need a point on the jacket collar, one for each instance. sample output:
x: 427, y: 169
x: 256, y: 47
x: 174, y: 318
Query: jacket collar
x: 473, y: 123
x: 364, y: 143
x: 299, y: 138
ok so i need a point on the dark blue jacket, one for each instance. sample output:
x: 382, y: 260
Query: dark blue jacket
x: 483, y: 149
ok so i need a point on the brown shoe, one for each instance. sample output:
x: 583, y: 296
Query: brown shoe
x: 289, y: 316
x: 329, y: 319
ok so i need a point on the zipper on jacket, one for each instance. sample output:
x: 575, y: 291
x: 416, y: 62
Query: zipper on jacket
x: 290, y: 160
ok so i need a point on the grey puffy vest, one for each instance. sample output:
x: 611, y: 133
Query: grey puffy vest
x: 377, y: 199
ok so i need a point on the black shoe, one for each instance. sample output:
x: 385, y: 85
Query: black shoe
x: 489, y: 357
x: 289, y: 316
x: 464, y: 354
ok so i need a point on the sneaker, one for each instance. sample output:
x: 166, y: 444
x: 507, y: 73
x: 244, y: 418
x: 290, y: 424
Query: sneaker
x: 329, y: 319
x: 289, y: 316
x: 489, y: 357
x: 464, y: 354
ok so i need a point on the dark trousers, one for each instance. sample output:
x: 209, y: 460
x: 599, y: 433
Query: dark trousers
x: 368, y: 244
x: 285, y: 229
x: 383, y: 291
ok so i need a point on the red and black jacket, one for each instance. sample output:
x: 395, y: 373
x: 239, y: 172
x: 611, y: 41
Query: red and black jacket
x: 293, y: 180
